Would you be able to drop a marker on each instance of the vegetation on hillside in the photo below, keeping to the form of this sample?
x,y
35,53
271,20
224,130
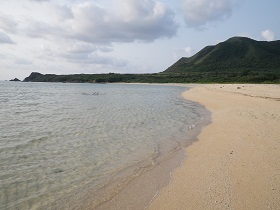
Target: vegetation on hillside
x,y
194,77
237,60
237,54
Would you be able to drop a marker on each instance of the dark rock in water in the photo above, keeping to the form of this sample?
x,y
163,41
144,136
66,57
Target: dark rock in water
x,y
58,170
15,80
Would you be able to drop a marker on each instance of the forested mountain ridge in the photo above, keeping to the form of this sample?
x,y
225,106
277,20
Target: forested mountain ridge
x,y
238,54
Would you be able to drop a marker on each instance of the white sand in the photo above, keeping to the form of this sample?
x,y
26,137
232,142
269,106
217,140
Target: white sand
x,y
235,164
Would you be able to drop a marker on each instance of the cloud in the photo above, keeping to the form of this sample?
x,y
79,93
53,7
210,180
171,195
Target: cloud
x,y
125,21
22,61
60,12
95,59
184,52
82,53
8,23
135,21
197,13
268,35
188,51
5,39
40,29
78,34
81,48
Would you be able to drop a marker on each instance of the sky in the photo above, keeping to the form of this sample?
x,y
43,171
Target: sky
x,y
122,36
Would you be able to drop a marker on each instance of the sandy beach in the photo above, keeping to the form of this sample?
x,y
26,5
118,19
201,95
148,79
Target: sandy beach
x,y
235,164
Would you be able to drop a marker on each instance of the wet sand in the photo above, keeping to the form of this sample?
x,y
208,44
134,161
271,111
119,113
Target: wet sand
x,y
235,164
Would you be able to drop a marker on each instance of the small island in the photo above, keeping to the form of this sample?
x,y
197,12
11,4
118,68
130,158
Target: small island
x,y
15,80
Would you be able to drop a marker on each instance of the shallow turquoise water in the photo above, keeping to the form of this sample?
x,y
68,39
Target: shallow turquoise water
x,y
61,140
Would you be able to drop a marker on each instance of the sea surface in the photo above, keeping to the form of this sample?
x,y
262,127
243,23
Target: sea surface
x,y
81,146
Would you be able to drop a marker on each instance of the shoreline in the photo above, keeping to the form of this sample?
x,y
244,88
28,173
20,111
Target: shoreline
x,y
235,164
131,186
150,183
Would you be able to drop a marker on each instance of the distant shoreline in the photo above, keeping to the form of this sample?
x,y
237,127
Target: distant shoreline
x,y
199,77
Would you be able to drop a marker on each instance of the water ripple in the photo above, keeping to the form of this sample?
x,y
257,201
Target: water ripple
x,y
60,141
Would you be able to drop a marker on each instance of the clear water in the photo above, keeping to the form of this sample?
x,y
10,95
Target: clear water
x,y
61,145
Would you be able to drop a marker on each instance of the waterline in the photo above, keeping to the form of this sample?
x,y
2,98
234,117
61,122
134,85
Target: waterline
x,y
69,146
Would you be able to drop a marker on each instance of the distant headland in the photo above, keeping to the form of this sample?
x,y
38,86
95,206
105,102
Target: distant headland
x,y
236,60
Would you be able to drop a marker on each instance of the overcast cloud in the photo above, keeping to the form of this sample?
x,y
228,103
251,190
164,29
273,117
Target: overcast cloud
x,y
8,23
5,39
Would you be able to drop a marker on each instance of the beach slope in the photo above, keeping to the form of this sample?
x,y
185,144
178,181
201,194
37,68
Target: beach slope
x,y
235,164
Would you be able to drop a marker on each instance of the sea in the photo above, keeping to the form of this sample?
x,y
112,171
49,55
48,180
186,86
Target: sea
x,y
91,146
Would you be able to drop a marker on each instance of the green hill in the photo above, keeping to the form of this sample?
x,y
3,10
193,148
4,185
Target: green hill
x,y
237,60
237,54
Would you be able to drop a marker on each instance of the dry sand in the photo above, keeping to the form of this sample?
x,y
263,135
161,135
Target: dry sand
x,y
235,164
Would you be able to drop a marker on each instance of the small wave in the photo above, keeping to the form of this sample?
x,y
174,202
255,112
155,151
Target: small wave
x,y
93,94
24,145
